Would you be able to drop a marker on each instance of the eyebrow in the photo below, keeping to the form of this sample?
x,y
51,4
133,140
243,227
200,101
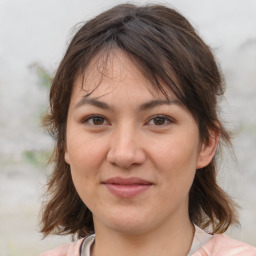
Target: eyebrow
x,y
155,103
93,102
143,107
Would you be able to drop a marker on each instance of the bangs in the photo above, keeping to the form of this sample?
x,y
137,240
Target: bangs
x,y
161,80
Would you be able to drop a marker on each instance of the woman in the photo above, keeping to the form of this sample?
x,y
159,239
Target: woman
x,y
134,115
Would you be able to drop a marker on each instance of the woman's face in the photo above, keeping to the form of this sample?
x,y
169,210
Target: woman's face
x,y
133,154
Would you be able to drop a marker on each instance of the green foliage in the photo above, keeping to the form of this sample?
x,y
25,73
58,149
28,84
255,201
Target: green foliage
x,y
37,158
45,77
40,158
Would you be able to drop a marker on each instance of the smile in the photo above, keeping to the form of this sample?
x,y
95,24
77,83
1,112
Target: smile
x,y
127,187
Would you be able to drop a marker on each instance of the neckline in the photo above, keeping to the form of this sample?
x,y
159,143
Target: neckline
x,y
199,239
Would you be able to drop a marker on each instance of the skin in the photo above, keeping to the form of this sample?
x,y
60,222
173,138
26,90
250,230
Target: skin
x,y
128,136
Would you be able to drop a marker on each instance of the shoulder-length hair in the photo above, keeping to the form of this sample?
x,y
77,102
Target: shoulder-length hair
x,y
164,45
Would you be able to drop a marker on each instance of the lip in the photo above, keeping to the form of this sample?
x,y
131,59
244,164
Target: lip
x,y
127,187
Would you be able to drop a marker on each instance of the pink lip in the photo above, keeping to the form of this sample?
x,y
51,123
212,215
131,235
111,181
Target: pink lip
x,y
127,187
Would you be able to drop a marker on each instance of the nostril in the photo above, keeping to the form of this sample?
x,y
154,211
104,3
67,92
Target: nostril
x,y
125,152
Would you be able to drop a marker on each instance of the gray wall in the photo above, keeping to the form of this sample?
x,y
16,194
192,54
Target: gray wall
x,y
33,31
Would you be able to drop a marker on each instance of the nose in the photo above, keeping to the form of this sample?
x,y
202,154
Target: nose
x,y
126,148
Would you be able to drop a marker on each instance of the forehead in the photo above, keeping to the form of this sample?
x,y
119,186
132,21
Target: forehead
x,y
107,71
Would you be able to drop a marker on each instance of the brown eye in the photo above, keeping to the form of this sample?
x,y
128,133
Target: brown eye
x,y
98,120
95,120
159,120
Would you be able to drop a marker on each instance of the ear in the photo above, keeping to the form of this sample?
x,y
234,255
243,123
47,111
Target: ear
x,y
66,156
208,149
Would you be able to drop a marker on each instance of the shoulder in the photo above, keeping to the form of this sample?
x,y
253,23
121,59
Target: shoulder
x,y
223,245
65,250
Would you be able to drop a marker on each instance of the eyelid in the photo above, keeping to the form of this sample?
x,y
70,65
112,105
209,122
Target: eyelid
x,y
86,119
167,118
90,117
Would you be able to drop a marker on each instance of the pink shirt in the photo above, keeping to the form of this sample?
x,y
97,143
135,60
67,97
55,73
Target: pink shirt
x,y
218,245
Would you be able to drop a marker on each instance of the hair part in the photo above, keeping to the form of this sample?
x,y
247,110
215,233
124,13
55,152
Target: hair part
x,y
163,45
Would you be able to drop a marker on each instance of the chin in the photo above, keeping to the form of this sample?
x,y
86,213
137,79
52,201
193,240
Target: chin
x,y
130,224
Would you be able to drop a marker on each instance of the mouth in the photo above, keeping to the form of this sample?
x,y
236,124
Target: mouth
x,y
127,187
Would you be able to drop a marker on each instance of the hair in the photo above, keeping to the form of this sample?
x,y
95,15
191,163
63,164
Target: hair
x,y
164,45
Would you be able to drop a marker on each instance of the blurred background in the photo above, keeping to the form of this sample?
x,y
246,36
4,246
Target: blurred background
x,y
33,37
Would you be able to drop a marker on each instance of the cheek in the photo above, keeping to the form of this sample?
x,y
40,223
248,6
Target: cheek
x,y
84,153
84,167
177,153
176,160
86,156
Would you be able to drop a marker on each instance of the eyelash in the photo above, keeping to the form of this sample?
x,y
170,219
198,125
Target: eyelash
x,y
163,117
166,119
92,117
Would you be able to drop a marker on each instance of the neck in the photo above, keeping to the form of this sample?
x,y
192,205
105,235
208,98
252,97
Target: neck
x,y
171,239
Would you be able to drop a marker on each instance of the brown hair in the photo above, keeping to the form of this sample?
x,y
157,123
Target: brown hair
x,y
163,43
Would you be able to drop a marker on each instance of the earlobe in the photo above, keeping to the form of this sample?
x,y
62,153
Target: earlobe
x,y
208,149
66,157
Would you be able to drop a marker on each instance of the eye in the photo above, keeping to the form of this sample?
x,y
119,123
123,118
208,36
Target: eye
x,y
160,120
96,120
